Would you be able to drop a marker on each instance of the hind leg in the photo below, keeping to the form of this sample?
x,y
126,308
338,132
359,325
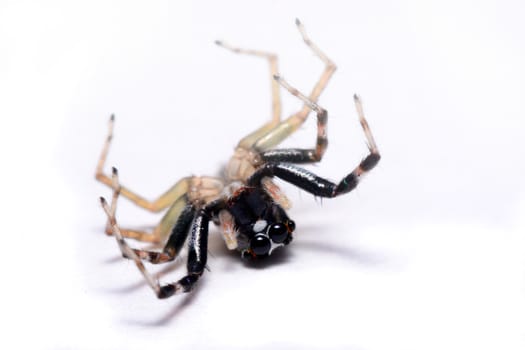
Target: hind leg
x,y
160,232
301,155
192,221
292,123
249,139
201,190
162,202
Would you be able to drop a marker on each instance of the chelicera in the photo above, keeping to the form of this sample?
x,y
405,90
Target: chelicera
x,y
245,202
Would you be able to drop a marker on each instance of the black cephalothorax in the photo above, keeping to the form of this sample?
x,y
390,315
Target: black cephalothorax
x,y
262,224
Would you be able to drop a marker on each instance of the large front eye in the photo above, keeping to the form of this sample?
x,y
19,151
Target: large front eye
x,y
260,245
278,233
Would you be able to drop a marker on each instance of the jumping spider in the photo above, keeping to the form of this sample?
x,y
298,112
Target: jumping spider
x,y
245,201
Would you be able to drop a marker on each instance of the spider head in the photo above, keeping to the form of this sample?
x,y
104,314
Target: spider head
x,y
261,223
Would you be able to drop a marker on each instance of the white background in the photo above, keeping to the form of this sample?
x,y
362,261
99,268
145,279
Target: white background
x,y
426,254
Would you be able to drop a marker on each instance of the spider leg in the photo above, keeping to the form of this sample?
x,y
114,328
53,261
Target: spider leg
x,y
314,184
197,257
299,155
160,232
292,123
197,251
249,139
175,198
176,221
176,240
125,249
197,254
162,202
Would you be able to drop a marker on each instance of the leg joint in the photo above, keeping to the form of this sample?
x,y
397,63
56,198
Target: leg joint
x,y
370,162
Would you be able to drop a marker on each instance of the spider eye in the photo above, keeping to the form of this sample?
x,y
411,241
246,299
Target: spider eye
x,y
278,233
260,245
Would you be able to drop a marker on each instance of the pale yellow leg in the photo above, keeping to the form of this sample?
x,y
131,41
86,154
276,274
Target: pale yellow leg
x,y
292,123
160,232
249,139
125,249
162,202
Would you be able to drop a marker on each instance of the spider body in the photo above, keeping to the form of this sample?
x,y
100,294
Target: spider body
x,y
245,202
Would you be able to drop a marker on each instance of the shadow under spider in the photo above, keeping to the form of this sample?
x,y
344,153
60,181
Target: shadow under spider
x,y
183,301
217,249
345,252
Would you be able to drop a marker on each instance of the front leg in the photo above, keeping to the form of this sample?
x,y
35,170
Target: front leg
x,y
310,182
198,244
169,197
301,155
314,184
197,257
197,251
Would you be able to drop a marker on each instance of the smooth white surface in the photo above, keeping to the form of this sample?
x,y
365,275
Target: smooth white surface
x,y
426,254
